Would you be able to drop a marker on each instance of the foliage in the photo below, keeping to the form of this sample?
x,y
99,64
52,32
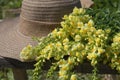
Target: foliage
x,y
8,4
6,74
107,4
79,40
106,19
106,14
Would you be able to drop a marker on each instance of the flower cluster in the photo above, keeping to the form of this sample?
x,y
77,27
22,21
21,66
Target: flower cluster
x,y
115,52
26,53
79,40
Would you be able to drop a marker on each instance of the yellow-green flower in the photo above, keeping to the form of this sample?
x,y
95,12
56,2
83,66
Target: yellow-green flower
x,y
54,33
77,38
58,44
66,47
100,50
92,56
82,11
62,73
61,63
99,31
117,38
71,60
65,41
80,24
76,10
90,23
65,67
26,54
78,54
73,77
98,40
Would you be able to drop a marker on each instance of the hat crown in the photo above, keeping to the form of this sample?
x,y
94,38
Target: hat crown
x,y
40,17
47,10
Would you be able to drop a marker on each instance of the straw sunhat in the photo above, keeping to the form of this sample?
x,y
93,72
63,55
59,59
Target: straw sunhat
x,y
37,18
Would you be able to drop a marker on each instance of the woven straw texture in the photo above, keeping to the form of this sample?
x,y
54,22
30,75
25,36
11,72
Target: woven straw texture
x,y
47,10
38,18
11,40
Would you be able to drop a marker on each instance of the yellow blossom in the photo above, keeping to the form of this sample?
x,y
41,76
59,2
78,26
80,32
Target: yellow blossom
x,y
48,47
91,56
65,41
62,62
59,34
77,38
100,50
78,54
90,41
81,11
76,10
74,47
26,54
99,31
66,47
97,40
65,17
90,23
116,39
80,24
83,53
58,44
65,67
92,29
62,73
70,17
83,31
73,77
72,23
93,62
49,55
70,60
108,30
54,32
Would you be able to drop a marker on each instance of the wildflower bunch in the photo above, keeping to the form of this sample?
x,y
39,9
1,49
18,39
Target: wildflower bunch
x,y
79,40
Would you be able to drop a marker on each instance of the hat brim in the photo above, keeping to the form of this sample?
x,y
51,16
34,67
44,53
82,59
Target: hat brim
x,y
11,40
86,3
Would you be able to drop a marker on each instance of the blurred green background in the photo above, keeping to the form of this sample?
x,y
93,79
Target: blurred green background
x,y
9,7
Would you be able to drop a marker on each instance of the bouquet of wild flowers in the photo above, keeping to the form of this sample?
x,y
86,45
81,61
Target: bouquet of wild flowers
x,y
80,40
